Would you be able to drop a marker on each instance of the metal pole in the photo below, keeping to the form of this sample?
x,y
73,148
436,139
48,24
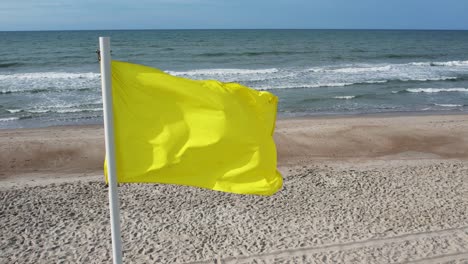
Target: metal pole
x,y
106,82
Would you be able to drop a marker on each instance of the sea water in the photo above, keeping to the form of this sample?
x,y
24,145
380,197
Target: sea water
x,y
52,77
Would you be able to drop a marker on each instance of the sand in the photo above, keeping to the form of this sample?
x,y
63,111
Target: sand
x,y
375,189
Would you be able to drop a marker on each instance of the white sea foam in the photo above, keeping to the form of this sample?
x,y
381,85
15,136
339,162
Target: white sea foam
x,y
449,105
326,76
50,75
10,91
436,90
7,119
47,82
222,72
298,86
419,63
318,85
380,73
443,78
428,79
38,111
60,107
269,77
362,69
74,110
345,97
443,63
382,81
12,111
335,84
351,69
451,63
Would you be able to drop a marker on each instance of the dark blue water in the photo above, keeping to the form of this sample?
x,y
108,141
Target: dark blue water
x,y
52,78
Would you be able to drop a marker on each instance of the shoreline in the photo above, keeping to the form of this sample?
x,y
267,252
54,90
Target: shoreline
x,y
374,114
80,148
284,117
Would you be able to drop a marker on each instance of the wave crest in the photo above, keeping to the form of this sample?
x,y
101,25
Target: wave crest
x,y
221,72
457,63
436,90
449,105
50,75
345,97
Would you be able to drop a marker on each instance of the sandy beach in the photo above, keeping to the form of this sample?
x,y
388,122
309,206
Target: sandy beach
x,y
361,189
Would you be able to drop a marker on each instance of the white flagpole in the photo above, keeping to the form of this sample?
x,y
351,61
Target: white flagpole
x,y
106,82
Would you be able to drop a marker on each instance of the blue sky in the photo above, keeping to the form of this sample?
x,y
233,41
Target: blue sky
x,y
188,14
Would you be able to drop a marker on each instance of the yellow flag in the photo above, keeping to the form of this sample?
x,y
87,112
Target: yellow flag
x,y
199,133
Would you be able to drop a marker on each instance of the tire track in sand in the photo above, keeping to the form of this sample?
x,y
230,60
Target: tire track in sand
x,y
441,258
297,252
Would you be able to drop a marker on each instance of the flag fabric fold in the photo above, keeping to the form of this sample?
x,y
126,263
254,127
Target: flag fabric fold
x,y
206,134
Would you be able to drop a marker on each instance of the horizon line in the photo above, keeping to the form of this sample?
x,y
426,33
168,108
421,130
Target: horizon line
x,y
167,29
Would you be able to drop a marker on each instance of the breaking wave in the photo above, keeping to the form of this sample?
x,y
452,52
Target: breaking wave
x,y
8,119
50,75
345,97
446,63
449,105
12,111
436,90
223,72
38,82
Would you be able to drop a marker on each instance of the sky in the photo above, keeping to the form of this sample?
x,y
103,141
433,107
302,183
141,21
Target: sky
x,y
235,14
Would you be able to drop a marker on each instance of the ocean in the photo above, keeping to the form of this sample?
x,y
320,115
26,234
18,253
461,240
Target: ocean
x,y
52,77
